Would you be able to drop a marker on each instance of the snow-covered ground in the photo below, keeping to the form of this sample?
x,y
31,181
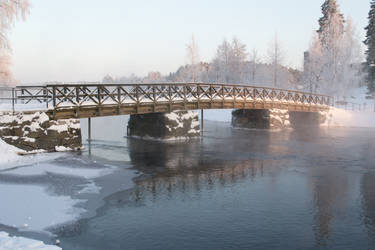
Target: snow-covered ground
x,y
20,243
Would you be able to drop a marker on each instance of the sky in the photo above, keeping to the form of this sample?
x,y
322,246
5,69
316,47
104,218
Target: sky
x,y
83,40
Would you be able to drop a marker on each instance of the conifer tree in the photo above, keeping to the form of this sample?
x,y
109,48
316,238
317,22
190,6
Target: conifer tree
x,y
370,52
331,24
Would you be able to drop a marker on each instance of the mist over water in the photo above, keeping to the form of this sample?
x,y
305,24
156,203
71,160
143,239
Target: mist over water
x,y
233,189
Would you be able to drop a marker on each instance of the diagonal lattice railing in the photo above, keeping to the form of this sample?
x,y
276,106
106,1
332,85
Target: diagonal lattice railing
x,y
87,95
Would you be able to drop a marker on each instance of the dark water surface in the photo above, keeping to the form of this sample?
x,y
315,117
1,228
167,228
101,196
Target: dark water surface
x,y
235,189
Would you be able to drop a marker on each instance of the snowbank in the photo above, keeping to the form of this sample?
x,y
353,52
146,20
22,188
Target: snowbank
x,y
9,153
20,243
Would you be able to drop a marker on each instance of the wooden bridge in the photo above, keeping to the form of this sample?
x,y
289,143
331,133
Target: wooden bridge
x,y
93,100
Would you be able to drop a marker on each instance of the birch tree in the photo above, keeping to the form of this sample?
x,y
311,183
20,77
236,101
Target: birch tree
x,y
194,59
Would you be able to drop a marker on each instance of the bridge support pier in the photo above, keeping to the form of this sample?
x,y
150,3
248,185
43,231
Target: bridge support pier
x,y
275,119
306,119
251,118
177,125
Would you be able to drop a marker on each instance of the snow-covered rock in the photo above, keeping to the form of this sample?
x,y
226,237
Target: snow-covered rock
x,y
35,131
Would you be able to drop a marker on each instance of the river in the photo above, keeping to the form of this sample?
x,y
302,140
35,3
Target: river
x,y
231,189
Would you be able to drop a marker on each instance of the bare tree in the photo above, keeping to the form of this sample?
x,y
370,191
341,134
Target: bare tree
x,y
193,58
254,60
276,58
222,62
238,60
10,11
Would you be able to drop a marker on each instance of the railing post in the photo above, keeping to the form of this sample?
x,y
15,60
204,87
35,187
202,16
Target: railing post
x,y
137,98
119,95
54,96
198,94
99,95
185,98
77,95
13,100
47,97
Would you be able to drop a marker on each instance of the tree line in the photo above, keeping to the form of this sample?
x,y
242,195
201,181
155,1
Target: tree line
x,y
333,63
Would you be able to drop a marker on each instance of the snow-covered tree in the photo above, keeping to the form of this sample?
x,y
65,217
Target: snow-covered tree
x,y
313,69
10,11
370,52
194,59
334,59
331,24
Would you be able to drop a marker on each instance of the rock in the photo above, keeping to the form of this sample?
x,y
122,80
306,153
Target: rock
x,y
36,132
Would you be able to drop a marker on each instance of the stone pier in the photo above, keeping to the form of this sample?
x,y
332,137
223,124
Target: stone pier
x,y
306,119
36,132
275,119
177,125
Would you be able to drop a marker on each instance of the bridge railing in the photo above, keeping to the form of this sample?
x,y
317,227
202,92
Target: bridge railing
x,y
77,95
128,94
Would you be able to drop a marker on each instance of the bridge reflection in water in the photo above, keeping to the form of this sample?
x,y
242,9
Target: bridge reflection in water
x,y
283,173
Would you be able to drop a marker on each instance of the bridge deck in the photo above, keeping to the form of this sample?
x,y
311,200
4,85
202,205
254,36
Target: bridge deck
x,y
93,100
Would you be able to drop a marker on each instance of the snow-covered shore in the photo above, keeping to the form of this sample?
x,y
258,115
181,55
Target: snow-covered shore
x,y
20,243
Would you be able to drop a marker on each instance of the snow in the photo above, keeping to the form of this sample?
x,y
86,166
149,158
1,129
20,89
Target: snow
x,y
179,119
41,209
20,243
20,118
26,212
62,149
59,128
9,153
45,168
